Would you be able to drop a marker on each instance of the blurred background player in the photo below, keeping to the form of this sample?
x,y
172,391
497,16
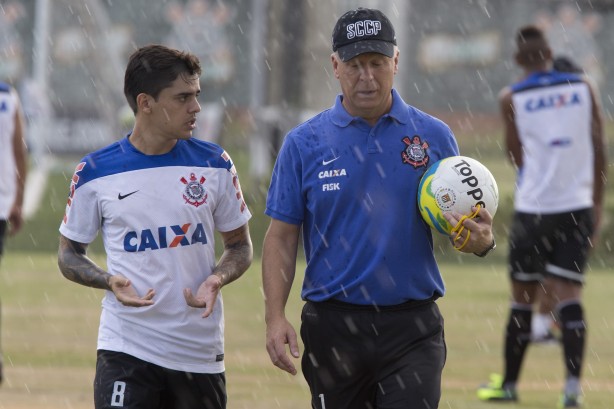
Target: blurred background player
x,y
13,166
161,340
544,328
554,136
348,177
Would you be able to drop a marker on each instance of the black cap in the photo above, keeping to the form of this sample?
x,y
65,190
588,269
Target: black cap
x,y
363,31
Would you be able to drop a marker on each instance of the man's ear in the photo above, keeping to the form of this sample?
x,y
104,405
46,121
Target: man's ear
x,y
144,102
335,62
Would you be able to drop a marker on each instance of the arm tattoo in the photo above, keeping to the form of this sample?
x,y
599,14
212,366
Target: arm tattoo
x,y
77,267
237,256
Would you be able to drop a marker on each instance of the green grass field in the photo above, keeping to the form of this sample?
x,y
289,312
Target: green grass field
x,y
50,325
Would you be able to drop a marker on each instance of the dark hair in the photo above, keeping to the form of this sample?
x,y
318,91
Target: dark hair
x,y
153,68
563,63
532,46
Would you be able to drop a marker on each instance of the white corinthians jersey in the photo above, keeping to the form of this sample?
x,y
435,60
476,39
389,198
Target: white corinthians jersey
x,y
553,119
8,175
157,215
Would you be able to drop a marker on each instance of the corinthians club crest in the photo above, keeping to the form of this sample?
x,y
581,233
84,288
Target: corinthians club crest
x,y
194,193
415,152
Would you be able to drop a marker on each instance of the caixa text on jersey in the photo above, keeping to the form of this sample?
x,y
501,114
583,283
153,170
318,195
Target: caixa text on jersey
x,y
165,237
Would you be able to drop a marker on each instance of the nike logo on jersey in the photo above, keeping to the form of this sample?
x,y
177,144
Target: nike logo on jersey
x,y
122,197
326,162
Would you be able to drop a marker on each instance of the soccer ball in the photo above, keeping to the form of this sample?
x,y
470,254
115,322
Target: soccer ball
x,y
455,184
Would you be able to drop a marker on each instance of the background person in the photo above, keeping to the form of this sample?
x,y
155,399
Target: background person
x,y
13,167
544,328
372,332
554,136
158,196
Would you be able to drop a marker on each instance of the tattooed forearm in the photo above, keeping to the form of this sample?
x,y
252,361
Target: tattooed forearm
x,y
237,257
77,267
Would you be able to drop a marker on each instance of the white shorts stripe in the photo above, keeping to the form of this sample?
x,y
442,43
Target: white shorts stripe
x,y
564,273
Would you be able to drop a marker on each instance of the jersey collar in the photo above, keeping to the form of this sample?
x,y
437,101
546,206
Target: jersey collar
x,y
398,111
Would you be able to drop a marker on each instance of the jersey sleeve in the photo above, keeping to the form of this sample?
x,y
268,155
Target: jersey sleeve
x,y
82,218
231,212
449,146
285,197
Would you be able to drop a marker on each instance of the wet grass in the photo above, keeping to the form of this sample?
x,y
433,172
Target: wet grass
x,y
50,326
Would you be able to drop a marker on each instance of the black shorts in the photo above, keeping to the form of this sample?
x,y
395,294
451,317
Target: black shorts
x,y
3,225
123,381
358,357
553,244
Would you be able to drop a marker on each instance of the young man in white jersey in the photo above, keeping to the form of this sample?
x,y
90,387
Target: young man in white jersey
x,y
157,197
554,137
13,166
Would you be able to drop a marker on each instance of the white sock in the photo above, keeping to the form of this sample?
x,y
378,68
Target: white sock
x,y
540,325
572,386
